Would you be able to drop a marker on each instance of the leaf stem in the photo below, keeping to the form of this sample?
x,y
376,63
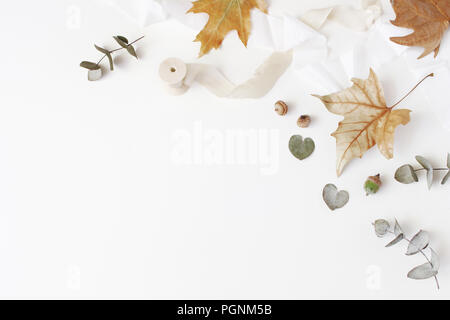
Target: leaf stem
x,y
118,49
437,169
411,91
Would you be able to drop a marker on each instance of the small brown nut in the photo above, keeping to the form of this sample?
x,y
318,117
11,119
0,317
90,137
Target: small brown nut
x,y
304,121
281,108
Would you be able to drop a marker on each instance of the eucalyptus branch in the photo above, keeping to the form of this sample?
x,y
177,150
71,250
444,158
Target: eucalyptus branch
x,y
406,174
95,71
417,244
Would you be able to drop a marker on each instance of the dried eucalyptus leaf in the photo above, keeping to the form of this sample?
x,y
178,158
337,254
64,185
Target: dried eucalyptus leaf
x,y
89,65
399,238
435,260
131,51
333,198
381,227
422,272
122,41
94,75
108,55
447,176
397,229
419,242
406,174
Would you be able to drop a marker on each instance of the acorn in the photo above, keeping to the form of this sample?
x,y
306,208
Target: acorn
x,y
372,184
281,108
304,121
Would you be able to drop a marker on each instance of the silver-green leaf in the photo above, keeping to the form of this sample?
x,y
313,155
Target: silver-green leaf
x,y
397,229
422,272
333,198
108,55
399,238
406,174
447,176
419,242
435,260
94,75
381,227
89,65
427,166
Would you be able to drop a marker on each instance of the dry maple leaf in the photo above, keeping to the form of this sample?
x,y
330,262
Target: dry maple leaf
x,y
225,16
429,19
367,119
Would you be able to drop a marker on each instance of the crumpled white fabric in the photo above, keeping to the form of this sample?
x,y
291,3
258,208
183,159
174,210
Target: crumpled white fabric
x,y
332,45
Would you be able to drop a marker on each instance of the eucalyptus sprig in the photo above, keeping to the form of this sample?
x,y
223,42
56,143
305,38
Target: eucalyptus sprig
x,y
417,244
95,71
406,174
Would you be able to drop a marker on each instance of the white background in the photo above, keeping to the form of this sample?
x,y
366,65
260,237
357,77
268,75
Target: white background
x,y
93,206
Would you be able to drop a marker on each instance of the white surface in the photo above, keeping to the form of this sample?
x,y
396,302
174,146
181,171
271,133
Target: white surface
x,y
94,202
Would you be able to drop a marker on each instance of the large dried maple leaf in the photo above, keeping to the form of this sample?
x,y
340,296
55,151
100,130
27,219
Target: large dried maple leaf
x,y
367,120
225,16
429,19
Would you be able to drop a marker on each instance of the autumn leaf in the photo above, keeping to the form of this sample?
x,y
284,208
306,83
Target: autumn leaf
x,y
367,120
428,18
225,16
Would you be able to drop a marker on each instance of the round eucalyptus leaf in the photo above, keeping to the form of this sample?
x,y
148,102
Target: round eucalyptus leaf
x,y
406,174
422,272
419,242
94,75
381,227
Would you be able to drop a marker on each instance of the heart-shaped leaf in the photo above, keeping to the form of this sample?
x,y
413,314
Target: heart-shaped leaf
x,y
301,149
422,272
381,227
108,55
419,242
427,166
333,198
406,174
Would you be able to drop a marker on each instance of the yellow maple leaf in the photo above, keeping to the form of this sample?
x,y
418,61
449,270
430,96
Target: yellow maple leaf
x,y
225,16
367,120
429,19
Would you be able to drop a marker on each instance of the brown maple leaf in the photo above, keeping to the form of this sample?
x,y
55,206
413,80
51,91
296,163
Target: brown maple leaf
x,y
225,16
429,19
367,120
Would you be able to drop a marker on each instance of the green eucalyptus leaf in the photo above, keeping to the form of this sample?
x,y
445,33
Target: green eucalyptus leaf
x,y
406,174
108,55
301,149
89,65
427,166
122,41
381,227
397,229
